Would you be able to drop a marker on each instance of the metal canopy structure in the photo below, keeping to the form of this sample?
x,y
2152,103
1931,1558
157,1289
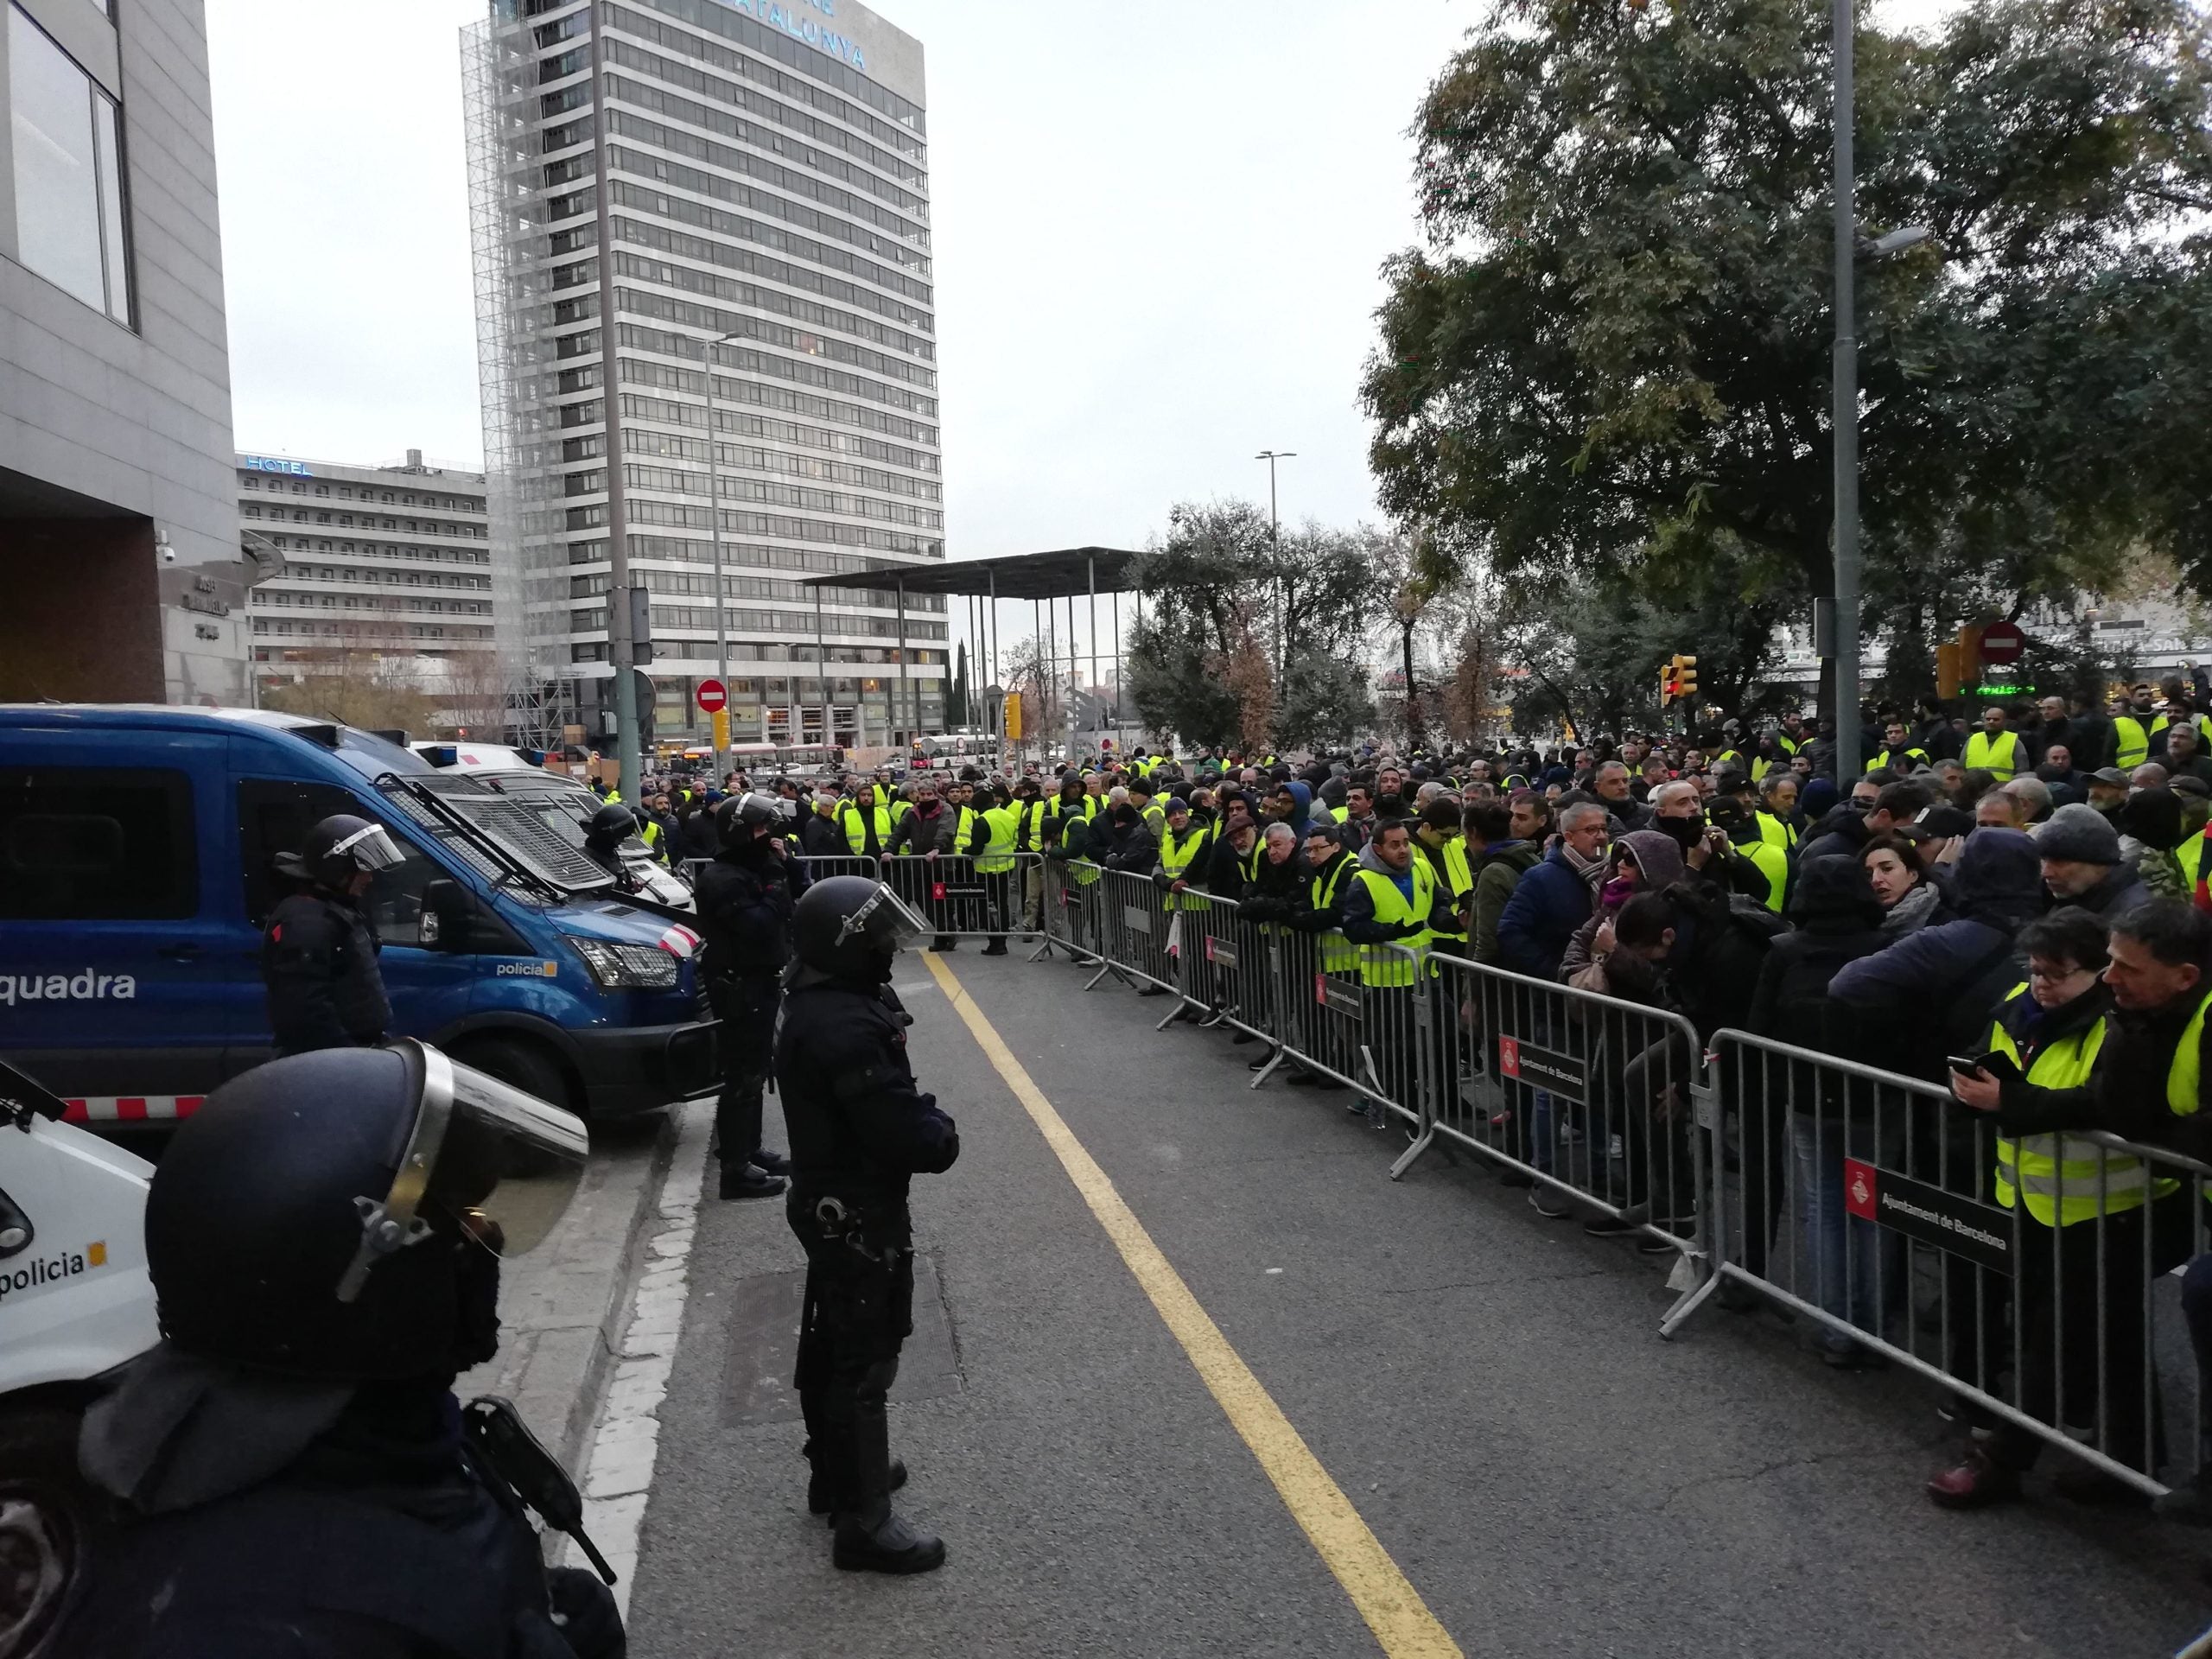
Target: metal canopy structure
x,y
1071,573
1043,579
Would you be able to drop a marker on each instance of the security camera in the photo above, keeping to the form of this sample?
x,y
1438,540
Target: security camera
x,y
168,553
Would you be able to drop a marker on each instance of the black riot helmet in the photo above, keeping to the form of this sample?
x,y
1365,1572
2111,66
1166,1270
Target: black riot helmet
x,y
610,826
738,818
339,849
850,927
340,1215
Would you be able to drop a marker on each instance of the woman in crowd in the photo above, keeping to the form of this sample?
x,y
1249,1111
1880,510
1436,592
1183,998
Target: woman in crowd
x,y
1907,894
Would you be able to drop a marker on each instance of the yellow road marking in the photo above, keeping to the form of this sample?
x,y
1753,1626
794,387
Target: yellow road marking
x,y
1389,1603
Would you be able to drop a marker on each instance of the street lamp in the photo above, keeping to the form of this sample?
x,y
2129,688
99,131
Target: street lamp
x,y
1275,545
715,516
1849,246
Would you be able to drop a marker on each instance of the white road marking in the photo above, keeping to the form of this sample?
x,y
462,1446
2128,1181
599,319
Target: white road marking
x,y
626,1442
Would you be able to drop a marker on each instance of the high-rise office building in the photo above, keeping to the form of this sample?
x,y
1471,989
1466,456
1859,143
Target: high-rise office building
x,y
704,285
376,570
118,540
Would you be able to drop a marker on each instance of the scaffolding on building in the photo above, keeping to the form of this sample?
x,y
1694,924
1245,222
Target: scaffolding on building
x,y
515,360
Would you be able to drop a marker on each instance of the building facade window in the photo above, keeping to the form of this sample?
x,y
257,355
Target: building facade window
x,y
68,172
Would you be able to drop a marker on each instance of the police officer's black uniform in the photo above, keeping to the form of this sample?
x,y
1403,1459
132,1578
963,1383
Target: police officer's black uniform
x,y
610,826
319,952
859,1130
292,1470
745,899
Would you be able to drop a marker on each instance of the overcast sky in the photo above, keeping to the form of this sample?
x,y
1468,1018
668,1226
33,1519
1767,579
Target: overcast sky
x,y
1158,230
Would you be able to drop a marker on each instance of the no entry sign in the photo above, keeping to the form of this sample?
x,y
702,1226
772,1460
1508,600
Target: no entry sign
x,y
714,697
2002,642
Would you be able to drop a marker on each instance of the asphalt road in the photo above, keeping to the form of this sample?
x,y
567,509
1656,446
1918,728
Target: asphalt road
x,y
1487,1387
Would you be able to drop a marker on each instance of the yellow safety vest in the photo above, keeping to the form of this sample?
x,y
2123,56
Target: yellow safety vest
x,y
1085,871
1177,855
1378,964
2182,1079
1338,954
1459,879
856,826
1776,833
1321,812
1903,759
2190,855
1982,751
1155,815
2131,743
1774,864
2065,1179
997,856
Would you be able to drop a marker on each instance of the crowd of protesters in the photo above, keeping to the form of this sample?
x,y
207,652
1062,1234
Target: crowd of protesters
x,y
2029,885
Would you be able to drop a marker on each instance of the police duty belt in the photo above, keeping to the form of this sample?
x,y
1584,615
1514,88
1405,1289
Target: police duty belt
x,y
844,1226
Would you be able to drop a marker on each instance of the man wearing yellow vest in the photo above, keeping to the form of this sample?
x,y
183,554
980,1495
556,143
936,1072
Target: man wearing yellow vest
x,y
868,822
2060,1062
1390,908
1995,750
1032,828
2131,735
1440,839
1069,845
994,864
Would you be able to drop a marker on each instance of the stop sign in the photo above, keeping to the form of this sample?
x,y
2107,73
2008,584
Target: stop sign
x,y
714,697
2002,642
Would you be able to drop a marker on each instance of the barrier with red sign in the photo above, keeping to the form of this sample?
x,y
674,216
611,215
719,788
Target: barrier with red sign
x,y
2051,1318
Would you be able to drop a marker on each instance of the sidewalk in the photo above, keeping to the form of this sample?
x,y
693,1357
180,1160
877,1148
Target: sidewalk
x,y
561,1307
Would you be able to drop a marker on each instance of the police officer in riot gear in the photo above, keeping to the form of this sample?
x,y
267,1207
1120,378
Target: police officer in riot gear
x,y
294,1474
859,1130
610,826
744,898
319,952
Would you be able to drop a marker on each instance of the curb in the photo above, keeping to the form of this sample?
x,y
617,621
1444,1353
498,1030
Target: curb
x,y
564,1308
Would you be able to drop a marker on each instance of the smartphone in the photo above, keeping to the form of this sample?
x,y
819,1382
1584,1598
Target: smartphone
x,y
1962,1065
1998,1066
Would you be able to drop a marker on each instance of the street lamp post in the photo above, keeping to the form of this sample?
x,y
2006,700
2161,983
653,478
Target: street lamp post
x,y
1844,416
1275,544
715,516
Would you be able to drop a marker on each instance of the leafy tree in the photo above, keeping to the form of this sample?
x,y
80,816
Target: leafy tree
x,y
1228,602
1326,701
1613,353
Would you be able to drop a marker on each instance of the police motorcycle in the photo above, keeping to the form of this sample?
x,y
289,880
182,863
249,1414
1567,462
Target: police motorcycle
x,y
90,1234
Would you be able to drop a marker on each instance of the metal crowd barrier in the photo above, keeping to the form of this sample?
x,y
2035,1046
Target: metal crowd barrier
x,y
1332,1012
1863,1200
1596,1099
1894,1242
959,897
1069,899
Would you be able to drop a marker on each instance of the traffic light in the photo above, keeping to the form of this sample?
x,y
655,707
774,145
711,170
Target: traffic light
x,y
1010,719
1678,680
1958,664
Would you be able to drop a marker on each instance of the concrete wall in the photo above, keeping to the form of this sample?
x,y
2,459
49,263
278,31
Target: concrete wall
x,y
102,425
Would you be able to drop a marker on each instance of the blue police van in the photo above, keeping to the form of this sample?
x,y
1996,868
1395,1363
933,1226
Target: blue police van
x,y
136,872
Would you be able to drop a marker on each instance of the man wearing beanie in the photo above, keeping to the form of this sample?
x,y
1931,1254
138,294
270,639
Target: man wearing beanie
x,y
2082,863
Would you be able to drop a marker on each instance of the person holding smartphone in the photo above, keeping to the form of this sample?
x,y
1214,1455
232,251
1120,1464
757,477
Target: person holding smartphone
x,y
2103,1027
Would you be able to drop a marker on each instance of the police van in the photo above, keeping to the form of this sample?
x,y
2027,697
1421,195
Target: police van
x,y
136,872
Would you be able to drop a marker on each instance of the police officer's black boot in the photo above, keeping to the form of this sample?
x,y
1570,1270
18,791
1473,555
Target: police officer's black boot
x,y
873,1537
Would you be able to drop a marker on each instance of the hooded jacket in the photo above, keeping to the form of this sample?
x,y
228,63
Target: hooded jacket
x,y
1933,993
1659,861
1358,904
1303,795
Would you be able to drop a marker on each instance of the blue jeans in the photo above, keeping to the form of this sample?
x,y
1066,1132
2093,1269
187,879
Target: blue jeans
x,y
1848,1262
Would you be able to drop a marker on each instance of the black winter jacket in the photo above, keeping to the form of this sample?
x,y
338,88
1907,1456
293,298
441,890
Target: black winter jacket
x,y
860,1128
319,963
745,899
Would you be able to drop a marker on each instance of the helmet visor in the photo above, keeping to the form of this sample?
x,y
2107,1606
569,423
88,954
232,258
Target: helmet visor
x,y
885,921
370,848
485,1161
